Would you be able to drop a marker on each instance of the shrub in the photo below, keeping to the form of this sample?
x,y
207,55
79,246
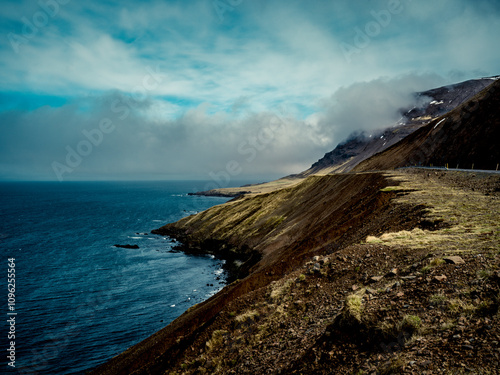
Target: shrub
x,y
425,269
354,305
216,340
436,262
411,324
437,299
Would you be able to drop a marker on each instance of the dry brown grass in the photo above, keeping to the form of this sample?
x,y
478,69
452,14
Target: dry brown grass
x,y
264,188
280,289
216,340
248,316
471,219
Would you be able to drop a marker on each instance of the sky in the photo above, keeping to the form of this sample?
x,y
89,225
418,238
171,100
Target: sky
x,y
219,89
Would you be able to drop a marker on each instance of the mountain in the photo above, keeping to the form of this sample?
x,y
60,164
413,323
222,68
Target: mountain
x,y
360,146
466,137
378,270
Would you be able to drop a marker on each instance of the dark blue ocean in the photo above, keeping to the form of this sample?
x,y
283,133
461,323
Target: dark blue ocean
x,y
79,300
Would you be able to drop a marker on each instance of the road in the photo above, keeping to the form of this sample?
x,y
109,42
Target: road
x,y
457,170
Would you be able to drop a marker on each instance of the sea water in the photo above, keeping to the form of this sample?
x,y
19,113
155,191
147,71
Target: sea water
x,y
79,300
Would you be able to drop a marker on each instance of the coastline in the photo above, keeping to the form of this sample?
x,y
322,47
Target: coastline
x,y
237,262
337,250
253,189
252,224
344,252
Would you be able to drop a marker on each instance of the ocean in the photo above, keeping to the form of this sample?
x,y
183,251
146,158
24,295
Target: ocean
x,y
79,300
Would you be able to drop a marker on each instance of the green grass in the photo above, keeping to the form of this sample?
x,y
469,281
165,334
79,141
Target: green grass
x,y
273,222
426,269
390,188
436,262
437,299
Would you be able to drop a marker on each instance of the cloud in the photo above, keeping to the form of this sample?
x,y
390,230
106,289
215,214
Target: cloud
x,y
220,80
284,52
200,143
372,105
197,144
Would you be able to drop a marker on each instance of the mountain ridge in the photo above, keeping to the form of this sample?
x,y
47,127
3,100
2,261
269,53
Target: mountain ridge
x,y
462,137
360,145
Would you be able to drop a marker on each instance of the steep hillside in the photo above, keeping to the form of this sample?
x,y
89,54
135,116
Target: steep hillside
x,y
466,137
394,273
359,272
286,228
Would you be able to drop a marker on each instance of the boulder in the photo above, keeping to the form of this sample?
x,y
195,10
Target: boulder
x,y
454,260
375,279
439,278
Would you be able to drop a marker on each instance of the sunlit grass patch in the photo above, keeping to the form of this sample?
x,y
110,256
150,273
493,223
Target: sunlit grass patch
x,y
216,340
280,289
436,262
459,306
470,219
247,316
354,306
390,188
411,324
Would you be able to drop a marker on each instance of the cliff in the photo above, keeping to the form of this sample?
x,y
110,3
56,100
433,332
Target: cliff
x,y
382,238
361,272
